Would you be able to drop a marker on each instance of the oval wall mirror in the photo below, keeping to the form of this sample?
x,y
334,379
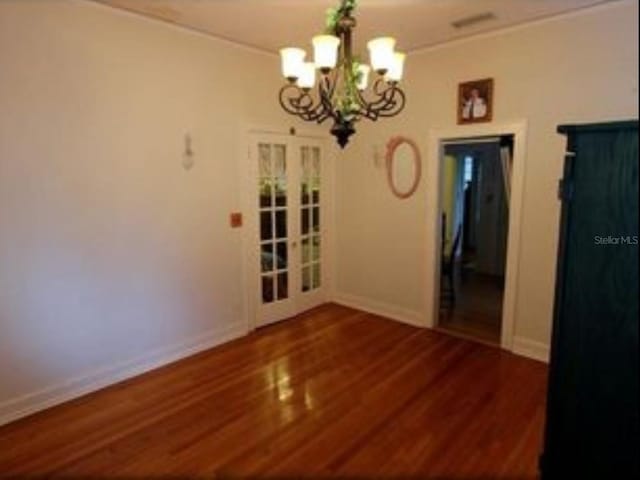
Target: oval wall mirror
x,y
404,166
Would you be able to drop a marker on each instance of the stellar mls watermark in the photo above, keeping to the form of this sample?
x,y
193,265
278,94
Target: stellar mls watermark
x,y
616,240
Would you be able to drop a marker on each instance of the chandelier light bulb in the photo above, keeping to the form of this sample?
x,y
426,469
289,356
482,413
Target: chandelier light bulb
x,y
292,62
381,52
325,48
397,67
307,78
363,80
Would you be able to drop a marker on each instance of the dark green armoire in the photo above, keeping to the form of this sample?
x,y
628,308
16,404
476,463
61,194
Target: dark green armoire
x,y
592,429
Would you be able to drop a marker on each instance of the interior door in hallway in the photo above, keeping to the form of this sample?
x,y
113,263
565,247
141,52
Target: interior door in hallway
x,y
288,232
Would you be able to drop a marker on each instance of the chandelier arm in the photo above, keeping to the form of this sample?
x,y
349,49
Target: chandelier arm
x,y
324,109
389,102
319,115
331,89
381,89
364,103
289,103
380,86
304,109
310,111
396,103
381,96
315,114
301,104
366,110
327,90
388,109
388,94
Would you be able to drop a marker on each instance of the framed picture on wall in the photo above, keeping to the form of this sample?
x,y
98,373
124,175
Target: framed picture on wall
x,y
475,101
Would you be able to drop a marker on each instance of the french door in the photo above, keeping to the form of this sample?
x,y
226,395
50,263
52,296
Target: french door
x,y
288,226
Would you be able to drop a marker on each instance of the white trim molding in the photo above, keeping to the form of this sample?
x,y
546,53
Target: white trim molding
x,y
437,140
48,397
392,312
531,349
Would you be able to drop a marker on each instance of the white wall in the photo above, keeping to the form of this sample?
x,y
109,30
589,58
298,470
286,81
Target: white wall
x,y
578,68
112,257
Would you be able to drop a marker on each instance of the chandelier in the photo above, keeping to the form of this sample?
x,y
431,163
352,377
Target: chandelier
x,y
343,93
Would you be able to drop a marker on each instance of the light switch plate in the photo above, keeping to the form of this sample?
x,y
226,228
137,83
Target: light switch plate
x,y
236,220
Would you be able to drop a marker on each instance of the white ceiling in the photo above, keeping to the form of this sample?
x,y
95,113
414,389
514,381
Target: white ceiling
x,y
272,24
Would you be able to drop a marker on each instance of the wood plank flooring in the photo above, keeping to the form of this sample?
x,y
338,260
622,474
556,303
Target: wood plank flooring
x,y
332,393
477,313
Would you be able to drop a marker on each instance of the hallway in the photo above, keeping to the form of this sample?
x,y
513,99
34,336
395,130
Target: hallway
x,y
477,312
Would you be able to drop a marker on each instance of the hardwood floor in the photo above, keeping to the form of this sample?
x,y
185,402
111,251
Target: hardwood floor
x,y
333,393
477,313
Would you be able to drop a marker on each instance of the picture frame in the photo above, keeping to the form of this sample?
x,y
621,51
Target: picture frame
x,y
475,101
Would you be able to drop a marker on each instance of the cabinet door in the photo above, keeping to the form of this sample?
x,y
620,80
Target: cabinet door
x,y
593,419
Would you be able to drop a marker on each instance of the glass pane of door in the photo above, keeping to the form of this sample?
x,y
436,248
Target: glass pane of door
x,y
273,205
310,219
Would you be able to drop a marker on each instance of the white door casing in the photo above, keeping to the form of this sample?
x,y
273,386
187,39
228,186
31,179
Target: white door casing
x,y
437,139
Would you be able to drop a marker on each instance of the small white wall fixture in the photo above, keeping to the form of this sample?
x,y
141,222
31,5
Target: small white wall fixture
x,y
437,140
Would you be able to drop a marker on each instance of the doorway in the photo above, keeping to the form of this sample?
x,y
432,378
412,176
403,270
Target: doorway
x,y
439,140
287,221
476,182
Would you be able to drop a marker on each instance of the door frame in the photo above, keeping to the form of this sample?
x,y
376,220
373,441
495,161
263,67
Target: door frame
x,y
436,140
246,179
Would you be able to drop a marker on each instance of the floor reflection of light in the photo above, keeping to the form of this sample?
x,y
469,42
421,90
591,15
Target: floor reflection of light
x,y
285,392
309,401
278,379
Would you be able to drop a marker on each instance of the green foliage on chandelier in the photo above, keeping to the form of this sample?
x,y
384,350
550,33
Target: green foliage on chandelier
x,y
335,14
348,104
